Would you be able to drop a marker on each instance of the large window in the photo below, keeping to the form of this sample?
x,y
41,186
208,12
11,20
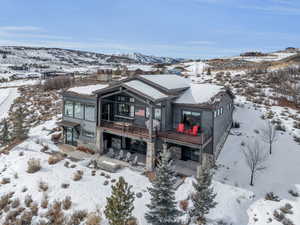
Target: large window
x,y
89,112
190,118
125,108
69,109
78,110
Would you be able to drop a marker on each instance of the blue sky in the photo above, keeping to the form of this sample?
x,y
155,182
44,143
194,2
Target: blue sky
x,y
176,28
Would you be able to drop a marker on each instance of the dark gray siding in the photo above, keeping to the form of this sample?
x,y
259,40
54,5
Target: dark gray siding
x,y
84,124
206,122
222,122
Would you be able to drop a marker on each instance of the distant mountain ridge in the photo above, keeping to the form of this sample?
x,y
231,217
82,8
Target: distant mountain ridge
x,y
149,59
44,55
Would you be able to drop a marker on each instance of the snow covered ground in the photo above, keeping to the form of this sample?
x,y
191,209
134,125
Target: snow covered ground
x,y
276,56
238,202
7,97
18,83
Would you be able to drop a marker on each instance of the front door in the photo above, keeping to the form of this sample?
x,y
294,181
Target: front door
x,y
71,136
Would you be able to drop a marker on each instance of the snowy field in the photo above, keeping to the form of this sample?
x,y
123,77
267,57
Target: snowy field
x,y
238,202
276,56
7,97
18,83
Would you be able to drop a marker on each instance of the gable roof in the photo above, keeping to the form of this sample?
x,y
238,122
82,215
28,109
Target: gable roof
x,y
166,81
146,89
199,94
87,90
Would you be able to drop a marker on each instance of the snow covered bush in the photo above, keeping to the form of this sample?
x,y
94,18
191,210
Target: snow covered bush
x,y
77,175
33,165
53,159
28,200
272,197
294,193
78,216
67,203
43,186
55,215
93,219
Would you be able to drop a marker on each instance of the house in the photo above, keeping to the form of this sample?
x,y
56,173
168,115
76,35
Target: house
x,y
148,113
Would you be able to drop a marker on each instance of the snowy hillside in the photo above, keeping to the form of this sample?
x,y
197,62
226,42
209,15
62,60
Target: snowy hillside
x,y
146,59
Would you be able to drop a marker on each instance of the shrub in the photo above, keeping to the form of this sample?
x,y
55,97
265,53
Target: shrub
x,y
43,186
67,203
5,180
44,201
34,208
294,193
28,200
4,201
54,159
26,218
33,165
78,216
287,209
85,149
77,175
287,221
15,203
93,219
132,221
55,215
65,185
272,197
184,204
278,216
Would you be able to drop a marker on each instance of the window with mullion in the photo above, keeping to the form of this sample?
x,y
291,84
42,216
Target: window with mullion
x,y
78,110
68,109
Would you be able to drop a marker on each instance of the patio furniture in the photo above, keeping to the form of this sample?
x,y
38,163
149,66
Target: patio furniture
x,y
194,130
111,153
135,161
180,128
121,155
128,157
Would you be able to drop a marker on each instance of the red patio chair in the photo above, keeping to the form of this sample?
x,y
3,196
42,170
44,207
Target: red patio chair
x,y
194,130
180,128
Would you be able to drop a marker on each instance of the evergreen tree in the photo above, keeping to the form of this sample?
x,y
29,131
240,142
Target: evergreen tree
x,y
20,131
119,207
203,197
4,133
162,208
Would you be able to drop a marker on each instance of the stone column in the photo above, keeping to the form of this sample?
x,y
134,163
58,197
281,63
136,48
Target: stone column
x,y
150,157
99,141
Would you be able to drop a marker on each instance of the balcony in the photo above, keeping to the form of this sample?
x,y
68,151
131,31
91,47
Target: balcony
x,y
185,139
125,129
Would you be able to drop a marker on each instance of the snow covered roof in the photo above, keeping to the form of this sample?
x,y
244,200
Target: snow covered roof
x,y
199,93
87,90
145,89
168,81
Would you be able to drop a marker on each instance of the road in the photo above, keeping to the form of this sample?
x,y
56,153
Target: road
x,y
7,97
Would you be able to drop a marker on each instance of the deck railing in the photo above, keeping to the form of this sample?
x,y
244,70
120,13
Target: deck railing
x,y
125,127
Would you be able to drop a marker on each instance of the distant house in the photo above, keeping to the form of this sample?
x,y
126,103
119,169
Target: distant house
x,y
148,113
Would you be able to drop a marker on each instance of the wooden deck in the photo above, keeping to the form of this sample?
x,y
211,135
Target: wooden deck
x,y
185,139
128,130
125,129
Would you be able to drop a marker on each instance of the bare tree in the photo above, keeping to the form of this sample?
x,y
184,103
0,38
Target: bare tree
x,y
269,134
255,158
